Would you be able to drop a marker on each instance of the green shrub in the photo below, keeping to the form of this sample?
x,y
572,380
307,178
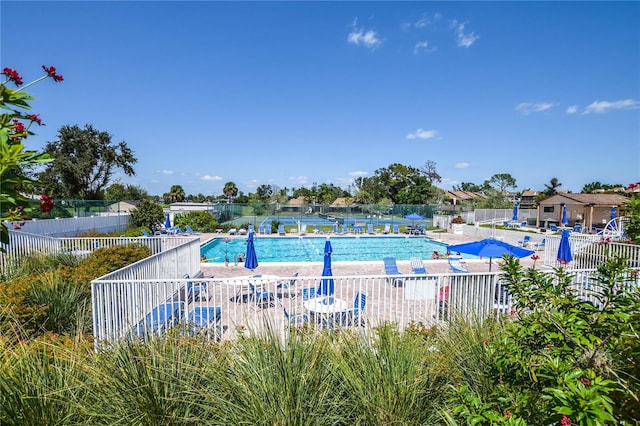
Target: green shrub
x,y
199,220
557,355
147,214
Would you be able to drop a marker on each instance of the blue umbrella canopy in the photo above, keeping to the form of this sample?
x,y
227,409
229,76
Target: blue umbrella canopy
x,y
490,247
564,249
414,216
251,260
565,220
515,212
327,286
167,221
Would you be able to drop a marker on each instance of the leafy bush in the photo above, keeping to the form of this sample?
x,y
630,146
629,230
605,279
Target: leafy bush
x,y
199,220
559,356
102,261
147,214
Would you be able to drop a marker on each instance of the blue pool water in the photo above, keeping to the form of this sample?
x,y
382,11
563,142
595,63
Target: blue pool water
x,y
311,249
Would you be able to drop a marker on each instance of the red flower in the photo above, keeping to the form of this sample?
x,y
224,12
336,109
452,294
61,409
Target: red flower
x,y
47,204
566,421
35,118
548,345
13,76
16,227
507,413
585,381
51,71
18,127
535,257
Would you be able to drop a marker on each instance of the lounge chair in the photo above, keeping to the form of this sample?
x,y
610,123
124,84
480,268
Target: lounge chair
x,y
303,229
233,231
317,230
162,316
267,229
335,229
294,319
391,268
387,228
308,293
525,241
281,230
261,229
455,263
202,319
396,229
553,228
418,266
540,245
146,234
191,231
259,296
353,317
345,229
287,285
370,229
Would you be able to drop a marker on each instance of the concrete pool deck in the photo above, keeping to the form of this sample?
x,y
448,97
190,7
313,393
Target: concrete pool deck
x,y
314,269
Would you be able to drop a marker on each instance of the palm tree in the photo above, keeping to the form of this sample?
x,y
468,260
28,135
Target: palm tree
x,y
230,190
552,187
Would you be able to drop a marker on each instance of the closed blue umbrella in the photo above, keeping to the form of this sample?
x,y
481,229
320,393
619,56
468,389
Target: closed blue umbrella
x,y
490,247
614,214
564,249
167,221
565,220
515,212
251,260
327,286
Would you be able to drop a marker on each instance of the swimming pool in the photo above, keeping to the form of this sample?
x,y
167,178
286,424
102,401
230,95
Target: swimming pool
x,y
311,249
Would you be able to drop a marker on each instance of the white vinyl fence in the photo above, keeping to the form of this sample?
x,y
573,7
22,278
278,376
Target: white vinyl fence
x,y
72,226
141,308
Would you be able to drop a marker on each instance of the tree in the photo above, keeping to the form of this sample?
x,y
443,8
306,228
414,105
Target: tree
x,y
85,160
600,187
468,187
147,214
632,211
230,190
118,191
175,195
429,170
502,181
552,187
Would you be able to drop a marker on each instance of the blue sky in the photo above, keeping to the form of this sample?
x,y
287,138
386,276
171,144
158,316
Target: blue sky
x,y
291,93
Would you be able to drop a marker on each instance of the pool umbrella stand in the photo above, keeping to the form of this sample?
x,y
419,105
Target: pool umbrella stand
x,y
564,249
251,260
413,217
565,220
490,248
167,222
327,286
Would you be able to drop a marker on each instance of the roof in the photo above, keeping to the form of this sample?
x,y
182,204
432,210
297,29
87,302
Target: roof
x,y
465,195
530,193
342,201
296,201
586,199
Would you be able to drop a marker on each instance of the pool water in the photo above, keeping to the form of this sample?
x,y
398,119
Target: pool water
x,y
311,249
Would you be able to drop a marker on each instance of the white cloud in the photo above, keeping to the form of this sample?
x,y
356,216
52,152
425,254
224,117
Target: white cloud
x,y
422,134
211,178
572,109
422,46
300,180
461,165
366,38
463,39
527,108
606,106
166,172
358,173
